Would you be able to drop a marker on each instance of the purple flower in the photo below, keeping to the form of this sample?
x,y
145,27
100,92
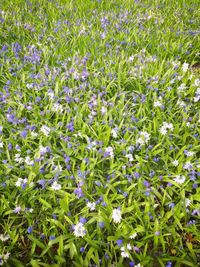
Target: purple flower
x,y
136,175
30,229
79,192
52,237
119,242
82,249
17,209
146,183
101,224
83,220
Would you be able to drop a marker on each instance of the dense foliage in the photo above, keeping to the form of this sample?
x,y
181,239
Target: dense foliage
x,y
99,133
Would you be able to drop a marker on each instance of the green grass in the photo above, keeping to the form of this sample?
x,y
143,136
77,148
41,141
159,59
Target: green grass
x,y
100,76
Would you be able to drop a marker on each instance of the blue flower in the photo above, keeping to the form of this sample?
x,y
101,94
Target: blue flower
x,y
119,242
30,229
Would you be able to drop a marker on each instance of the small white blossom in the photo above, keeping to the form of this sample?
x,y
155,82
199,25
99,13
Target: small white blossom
x,y
45,130
50,95
43,150
55,186
34,134
157,104
116,215
114,133
18,158
181,103
28,161
91,205
187,202
166,126
182,87
124,254
133,236
129,157
17,209
143,138
21,181
57,108
197,82
175,162
1,144
185,67
163,130
187,165
190,153
179,179
4,238
109,151
138,265
103,110
79,230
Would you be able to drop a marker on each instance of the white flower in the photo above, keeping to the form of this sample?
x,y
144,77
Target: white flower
x,y
197,82
18,158
187,165
196,98
57,108
179,179
133,236
50,95
55,186
124,254
21,181
91,205
181,103
109,151
182,87
131,58
28,161
4,237
17,209
1,144
185,67
114,133
116,215
129,157
34,134
43,150
187,202
144,137
79,230
138,265
129,246
45,130
57,168
163,130
166,126
103,110
175,162
157,104
198,91
190,153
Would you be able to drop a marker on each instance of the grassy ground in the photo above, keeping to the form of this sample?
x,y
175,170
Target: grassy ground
x,y
99,133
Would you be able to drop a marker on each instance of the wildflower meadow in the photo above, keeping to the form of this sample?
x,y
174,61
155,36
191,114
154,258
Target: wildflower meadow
x,y
99,133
